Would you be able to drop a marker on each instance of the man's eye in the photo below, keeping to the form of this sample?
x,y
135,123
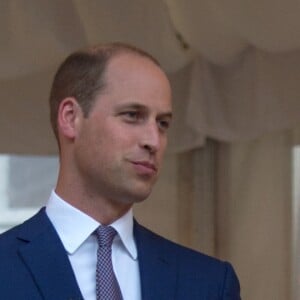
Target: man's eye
x,y
131,115
164,125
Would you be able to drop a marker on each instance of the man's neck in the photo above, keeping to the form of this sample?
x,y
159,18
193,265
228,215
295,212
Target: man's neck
x,y
102,210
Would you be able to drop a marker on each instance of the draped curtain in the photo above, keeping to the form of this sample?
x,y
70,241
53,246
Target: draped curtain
x,y
233,201
233,65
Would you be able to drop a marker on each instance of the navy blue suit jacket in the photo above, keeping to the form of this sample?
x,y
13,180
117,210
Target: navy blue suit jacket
x,y
35,266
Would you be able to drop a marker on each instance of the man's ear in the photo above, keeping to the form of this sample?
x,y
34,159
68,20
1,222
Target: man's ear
x,y
68,118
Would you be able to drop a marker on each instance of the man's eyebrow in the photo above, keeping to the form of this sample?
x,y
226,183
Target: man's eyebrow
x,y
142,107
132,105
168,115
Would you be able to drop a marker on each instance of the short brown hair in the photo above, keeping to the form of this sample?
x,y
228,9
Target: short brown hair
x,y
81,75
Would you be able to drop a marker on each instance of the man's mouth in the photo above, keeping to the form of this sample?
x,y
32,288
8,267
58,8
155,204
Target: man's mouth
x,y
145,167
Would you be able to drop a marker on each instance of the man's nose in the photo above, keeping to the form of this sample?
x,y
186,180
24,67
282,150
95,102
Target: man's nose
x,y
151,138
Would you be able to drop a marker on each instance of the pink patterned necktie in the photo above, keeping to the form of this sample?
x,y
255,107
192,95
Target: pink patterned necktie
x,y
107,287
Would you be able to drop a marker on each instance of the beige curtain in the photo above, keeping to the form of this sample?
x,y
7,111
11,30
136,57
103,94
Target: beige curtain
x,y
227,85
232,201
254,214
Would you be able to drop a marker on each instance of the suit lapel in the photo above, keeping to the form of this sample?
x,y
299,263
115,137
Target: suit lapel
x,y
157,267
46,259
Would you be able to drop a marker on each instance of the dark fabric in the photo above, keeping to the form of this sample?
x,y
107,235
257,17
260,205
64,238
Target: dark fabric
x,y
170,271
35,266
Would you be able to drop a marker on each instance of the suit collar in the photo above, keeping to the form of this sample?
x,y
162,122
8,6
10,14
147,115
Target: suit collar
x,y
74,226
45,257
157,266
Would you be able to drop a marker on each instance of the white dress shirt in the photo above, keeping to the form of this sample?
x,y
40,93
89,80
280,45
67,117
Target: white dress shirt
x,y
75,230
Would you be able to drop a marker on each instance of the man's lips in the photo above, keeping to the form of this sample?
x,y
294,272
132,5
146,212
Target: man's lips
x,y
145,165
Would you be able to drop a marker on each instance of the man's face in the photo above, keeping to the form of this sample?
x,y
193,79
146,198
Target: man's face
x,y
120,145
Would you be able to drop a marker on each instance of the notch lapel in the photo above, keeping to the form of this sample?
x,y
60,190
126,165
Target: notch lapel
x,y
46,259
157,267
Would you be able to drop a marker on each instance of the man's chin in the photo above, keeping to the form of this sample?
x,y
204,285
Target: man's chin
x,y
137,196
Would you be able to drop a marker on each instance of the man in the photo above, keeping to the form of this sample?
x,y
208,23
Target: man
x,y
110,111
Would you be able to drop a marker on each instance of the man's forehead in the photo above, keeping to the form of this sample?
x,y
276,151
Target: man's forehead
x,y
134,80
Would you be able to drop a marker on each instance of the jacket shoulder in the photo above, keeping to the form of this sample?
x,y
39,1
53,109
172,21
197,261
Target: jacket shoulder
x,y
196,271
24,232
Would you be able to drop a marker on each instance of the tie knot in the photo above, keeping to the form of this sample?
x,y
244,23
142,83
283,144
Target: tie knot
x,y
105,235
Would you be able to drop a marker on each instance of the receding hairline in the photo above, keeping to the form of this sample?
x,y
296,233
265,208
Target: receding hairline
x,y
116,48
115,51
118,56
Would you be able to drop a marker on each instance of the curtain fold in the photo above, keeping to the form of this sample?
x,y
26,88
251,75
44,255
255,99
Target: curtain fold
x,y
254,205
233,201
250,92
256,95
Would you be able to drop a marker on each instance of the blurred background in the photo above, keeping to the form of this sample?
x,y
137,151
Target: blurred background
x,y
230,186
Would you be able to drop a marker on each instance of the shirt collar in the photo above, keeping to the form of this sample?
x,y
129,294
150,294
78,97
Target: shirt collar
x,y
74,227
